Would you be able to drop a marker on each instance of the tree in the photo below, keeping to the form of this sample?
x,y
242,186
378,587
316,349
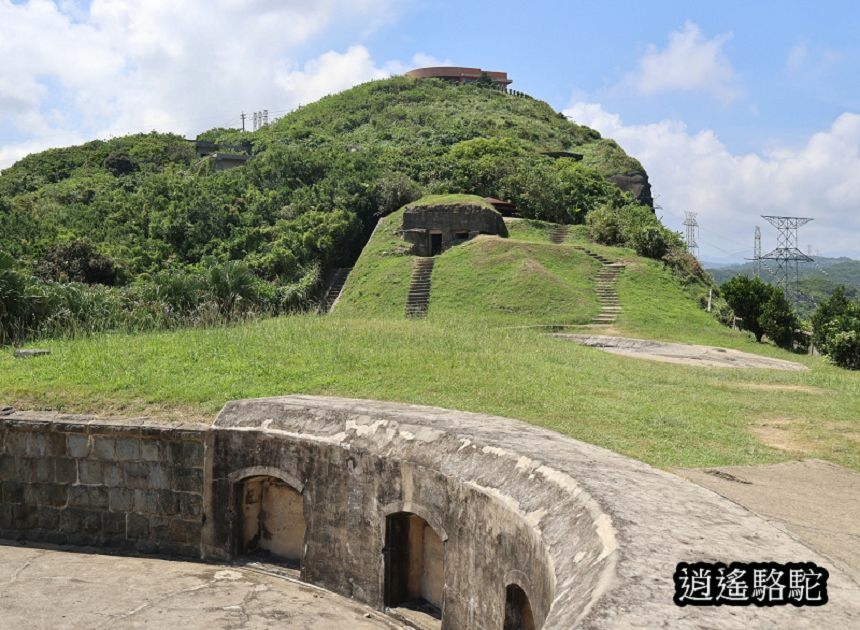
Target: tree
x,y
837,305
747,297
836,330
778,320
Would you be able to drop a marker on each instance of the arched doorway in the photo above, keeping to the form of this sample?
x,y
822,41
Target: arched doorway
x,y
518,610
272,521
414,564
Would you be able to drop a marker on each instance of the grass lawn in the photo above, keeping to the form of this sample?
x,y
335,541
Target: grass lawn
x,y
466,355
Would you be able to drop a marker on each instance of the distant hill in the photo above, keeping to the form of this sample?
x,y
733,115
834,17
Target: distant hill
x,y
816,282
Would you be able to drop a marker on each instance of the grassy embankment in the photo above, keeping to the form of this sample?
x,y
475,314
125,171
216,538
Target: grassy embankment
x,y
468,354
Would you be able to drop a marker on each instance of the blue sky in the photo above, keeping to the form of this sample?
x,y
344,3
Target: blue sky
x,y
736,109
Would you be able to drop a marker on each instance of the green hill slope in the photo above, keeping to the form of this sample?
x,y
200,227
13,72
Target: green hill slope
x,y
147,214
527,280
523,279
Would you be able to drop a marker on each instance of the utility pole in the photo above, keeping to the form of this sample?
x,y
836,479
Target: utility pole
x,y
242,116
690,236
787,255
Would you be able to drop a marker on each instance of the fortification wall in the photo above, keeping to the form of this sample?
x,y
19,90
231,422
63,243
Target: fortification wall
x,y
77,480
497,512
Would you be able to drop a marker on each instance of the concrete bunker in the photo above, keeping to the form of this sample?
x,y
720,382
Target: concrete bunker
x,y
414,564
518,609
271,519
435,223
523,513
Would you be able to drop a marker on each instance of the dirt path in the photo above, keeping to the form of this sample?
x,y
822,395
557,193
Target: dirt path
x,y
817,502
683,353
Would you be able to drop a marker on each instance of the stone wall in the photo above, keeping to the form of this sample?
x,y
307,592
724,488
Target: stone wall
x,y
352,480
77,480
582,537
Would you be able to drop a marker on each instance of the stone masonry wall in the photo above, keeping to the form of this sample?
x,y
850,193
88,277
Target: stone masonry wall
x,y
77,480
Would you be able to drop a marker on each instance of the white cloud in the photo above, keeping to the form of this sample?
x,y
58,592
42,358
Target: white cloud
x,y
690,62
424,60
117,67
696,171
330,73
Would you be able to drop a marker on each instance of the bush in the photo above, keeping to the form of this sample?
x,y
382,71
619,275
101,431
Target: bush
x,y
394,191
843,345
838,304
77,260
836,330
778,320
650,241
119,163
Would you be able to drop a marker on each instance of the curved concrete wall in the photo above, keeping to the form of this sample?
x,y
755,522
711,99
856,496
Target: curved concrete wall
x,y
592,537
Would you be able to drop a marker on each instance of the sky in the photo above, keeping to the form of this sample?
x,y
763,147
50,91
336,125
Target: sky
x,y
735,109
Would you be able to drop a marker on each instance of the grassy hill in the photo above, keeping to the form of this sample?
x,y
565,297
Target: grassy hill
x,y
523,279
169,233
184,235
469,354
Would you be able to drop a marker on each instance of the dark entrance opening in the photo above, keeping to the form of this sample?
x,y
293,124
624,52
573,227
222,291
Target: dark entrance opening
x,y
518,610
414,565
272,524
435,244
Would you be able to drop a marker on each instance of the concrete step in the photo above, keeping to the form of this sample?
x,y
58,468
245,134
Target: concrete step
x,y
418,298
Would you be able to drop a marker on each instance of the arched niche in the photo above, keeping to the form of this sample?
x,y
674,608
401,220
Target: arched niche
x,y
414,564
518,609
270,516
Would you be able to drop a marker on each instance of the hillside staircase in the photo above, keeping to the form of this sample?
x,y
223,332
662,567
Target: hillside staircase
x,y
558,234
607,296
418,299
335,286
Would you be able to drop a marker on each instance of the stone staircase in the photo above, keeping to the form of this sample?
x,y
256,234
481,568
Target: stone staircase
x,y
335,286
419,288
606,294
558,234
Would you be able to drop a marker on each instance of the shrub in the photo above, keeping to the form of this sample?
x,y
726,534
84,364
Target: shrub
x,y
838,304
843,344
650,241
777,319
836,330
395,190
119,163
77,260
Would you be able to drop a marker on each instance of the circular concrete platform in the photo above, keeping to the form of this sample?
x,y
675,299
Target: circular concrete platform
x,y
43,587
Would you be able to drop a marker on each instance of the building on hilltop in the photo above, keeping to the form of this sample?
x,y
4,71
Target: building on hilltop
x,y
456,74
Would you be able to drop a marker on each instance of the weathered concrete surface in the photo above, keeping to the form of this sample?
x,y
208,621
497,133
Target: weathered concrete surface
x,y
448,220
816,501
612,529
70,479
683,353
56,588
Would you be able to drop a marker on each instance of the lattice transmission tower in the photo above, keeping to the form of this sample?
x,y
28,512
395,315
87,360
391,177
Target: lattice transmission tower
x,y
757,253
691,225
787,255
